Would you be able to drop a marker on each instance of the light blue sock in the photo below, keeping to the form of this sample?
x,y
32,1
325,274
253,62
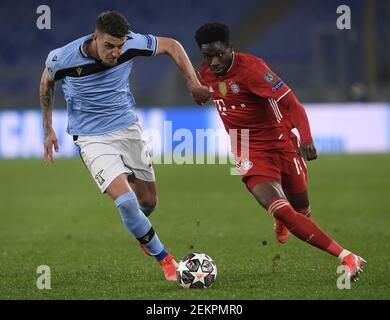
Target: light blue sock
x,y
138,224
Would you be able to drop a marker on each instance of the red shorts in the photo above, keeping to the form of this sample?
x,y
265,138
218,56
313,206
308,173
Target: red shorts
x,y
288,168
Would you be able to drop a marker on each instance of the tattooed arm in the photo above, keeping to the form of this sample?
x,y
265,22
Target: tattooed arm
x,y
46,94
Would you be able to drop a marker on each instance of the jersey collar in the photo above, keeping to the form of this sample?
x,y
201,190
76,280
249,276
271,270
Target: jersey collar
x,y
231,66
81,49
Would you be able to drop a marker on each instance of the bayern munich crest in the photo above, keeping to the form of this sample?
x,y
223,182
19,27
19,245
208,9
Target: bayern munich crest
x,y
235,88
244,165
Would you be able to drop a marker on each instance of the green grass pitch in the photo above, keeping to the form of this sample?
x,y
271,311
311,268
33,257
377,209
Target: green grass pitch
x,y
56,216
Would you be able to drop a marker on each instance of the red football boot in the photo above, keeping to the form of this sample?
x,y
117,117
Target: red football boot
x,y
169,265
354,265
281,231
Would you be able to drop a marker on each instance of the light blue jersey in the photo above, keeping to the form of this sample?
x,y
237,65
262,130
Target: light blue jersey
x,y
98,97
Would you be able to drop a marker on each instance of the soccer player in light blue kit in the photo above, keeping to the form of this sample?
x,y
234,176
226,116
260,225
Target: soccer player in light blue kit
x,y
101,118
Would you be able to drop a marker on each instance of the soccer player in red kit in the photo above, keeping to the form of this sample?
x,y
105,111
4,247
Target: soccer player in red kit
x,y
296,118
261,109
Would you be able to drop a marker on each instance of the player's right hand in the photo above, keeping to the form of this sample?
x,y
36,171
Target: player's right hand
x,y
307,151
50,141
200,94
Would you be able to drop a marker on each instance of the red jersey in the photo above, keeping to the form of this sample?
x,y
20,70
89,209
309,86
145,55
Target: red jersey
x,y
287,121
247,97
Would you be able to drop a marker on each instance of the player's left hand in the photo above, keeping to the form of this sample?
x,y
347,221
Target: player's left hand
x,y
307,151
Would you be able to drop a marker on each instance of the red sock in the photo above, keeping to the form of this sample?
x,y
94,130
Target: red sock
x,y
303,227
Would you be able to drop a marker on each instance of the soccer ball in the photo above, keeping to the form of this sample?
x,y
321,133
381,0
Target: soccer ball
x,y
196,270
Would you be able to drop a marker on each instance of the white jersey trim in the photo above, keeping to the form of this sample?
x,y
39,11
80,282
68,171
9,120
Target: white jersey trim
x,y
156,48
283,95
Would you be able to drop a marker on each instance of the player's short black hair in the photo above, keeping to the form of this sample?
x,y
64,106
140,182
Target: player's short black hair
x,y
113,23
212,32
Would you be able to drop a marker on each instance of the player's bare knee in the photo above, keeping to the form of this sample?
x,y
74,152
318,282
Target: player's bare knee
x,y
148,204
299,201
149,201
267,192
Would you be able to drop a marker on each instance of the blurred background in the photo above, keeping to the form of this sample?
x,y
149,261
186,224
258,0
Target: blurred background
x,y
297,38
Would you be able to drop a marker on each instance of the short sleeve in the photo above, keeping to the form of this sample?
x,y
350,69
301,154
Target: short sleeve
x,y
145,43
53,63
263,82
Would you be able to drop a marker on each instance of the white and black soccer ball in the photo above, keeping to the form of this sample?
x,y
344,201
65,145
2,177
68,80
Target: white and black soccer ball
x,y
196,270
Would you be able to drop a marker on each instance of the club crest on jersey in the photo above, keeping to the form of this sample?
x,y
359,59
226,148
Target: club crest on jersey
x,y
222,88
244,165
269,77
235,88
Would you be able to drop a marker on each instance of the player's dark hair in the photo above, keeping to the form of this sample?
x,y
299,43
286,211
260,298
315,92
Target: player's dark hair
x,y
212,32
113,23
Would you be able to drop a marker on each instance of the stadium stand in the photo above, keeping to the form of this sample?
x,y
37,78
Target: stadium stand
x,y
299,40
